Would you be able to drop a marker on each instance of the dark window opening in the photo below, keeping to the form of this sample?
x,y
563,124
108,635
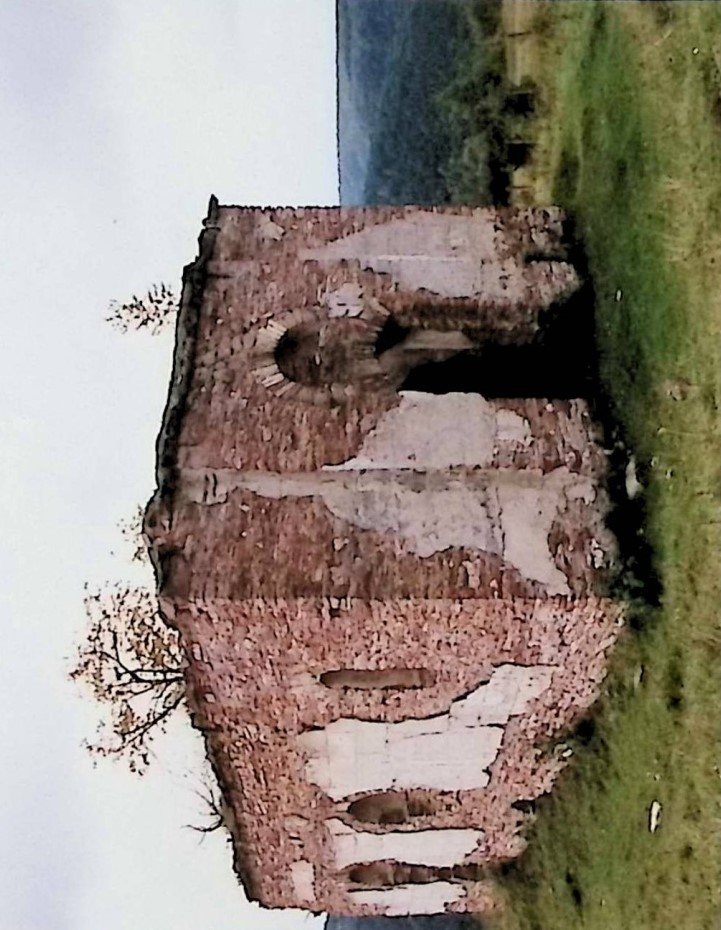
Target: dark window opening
x,y
520,103
373,679
387,874
319,355
519,154
392,807
524,806
390,335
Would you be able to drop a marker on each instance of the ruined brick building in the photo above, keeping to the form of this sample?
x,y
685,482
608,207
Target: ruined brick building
x,y
386,585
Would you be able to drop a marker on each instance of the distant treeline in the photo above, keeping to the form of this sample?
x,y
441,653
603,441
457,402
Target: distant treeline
x,y
421,101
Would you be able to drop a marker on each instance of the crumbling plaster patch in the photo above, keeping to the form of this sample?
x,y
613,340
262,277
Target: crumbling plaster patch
x,y
267,230
427,847
447,254
428,520
511,427
429,431
432,898
302,875
497,511
527,515
450,751
400,483
510,514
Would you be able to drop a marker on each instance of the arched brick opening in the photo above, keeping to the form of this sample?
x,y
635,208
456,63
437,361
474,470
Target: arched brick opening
x,y
308,356
321,353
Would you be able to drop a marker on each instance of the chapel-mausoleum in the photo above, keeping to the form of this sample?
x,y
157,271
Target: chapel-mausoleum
x,y
388,582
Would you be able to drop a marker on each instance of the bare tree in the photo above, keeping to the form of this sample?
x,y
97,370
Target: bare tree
x,y
155,310
132,662
214,809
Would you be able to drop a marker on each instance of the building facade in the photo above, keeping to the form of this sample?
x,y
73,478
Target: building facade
x,y
389,590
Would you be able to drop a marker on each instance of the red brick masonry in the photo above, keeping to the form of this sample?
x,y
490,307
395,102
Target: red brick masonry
x,y
340,555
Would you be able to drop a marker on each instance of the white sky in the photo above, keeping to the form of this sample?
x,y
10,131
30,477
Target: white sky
x,y
119,118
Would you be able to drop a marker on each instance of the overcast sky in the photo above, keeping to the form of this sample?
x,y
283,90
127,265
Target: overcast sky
x,y
119,119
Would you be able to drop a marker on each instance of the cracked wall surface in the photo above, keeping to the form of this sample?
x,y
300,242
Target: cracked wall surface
x,y
392,602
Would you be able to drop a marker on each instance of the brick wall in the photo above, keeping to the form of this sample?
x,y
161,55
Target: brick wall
x,y
352,566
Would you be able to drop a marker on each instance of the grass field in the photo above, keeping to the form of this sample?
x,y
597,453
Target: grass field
x,y
629,140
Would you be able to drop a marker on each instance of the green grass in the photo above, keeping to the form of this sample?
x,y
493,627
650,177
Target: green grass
x,y
630,142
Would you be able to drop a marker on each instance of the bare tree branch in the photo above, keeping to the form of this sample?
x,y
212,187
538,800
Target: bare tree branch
x,y
153,311
213,807
132,662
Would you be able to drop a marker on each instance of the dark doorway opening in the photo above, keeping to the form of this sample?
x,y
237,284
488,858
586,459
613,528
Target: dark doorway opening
x,y
390,335
560,363
520,103
519,153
